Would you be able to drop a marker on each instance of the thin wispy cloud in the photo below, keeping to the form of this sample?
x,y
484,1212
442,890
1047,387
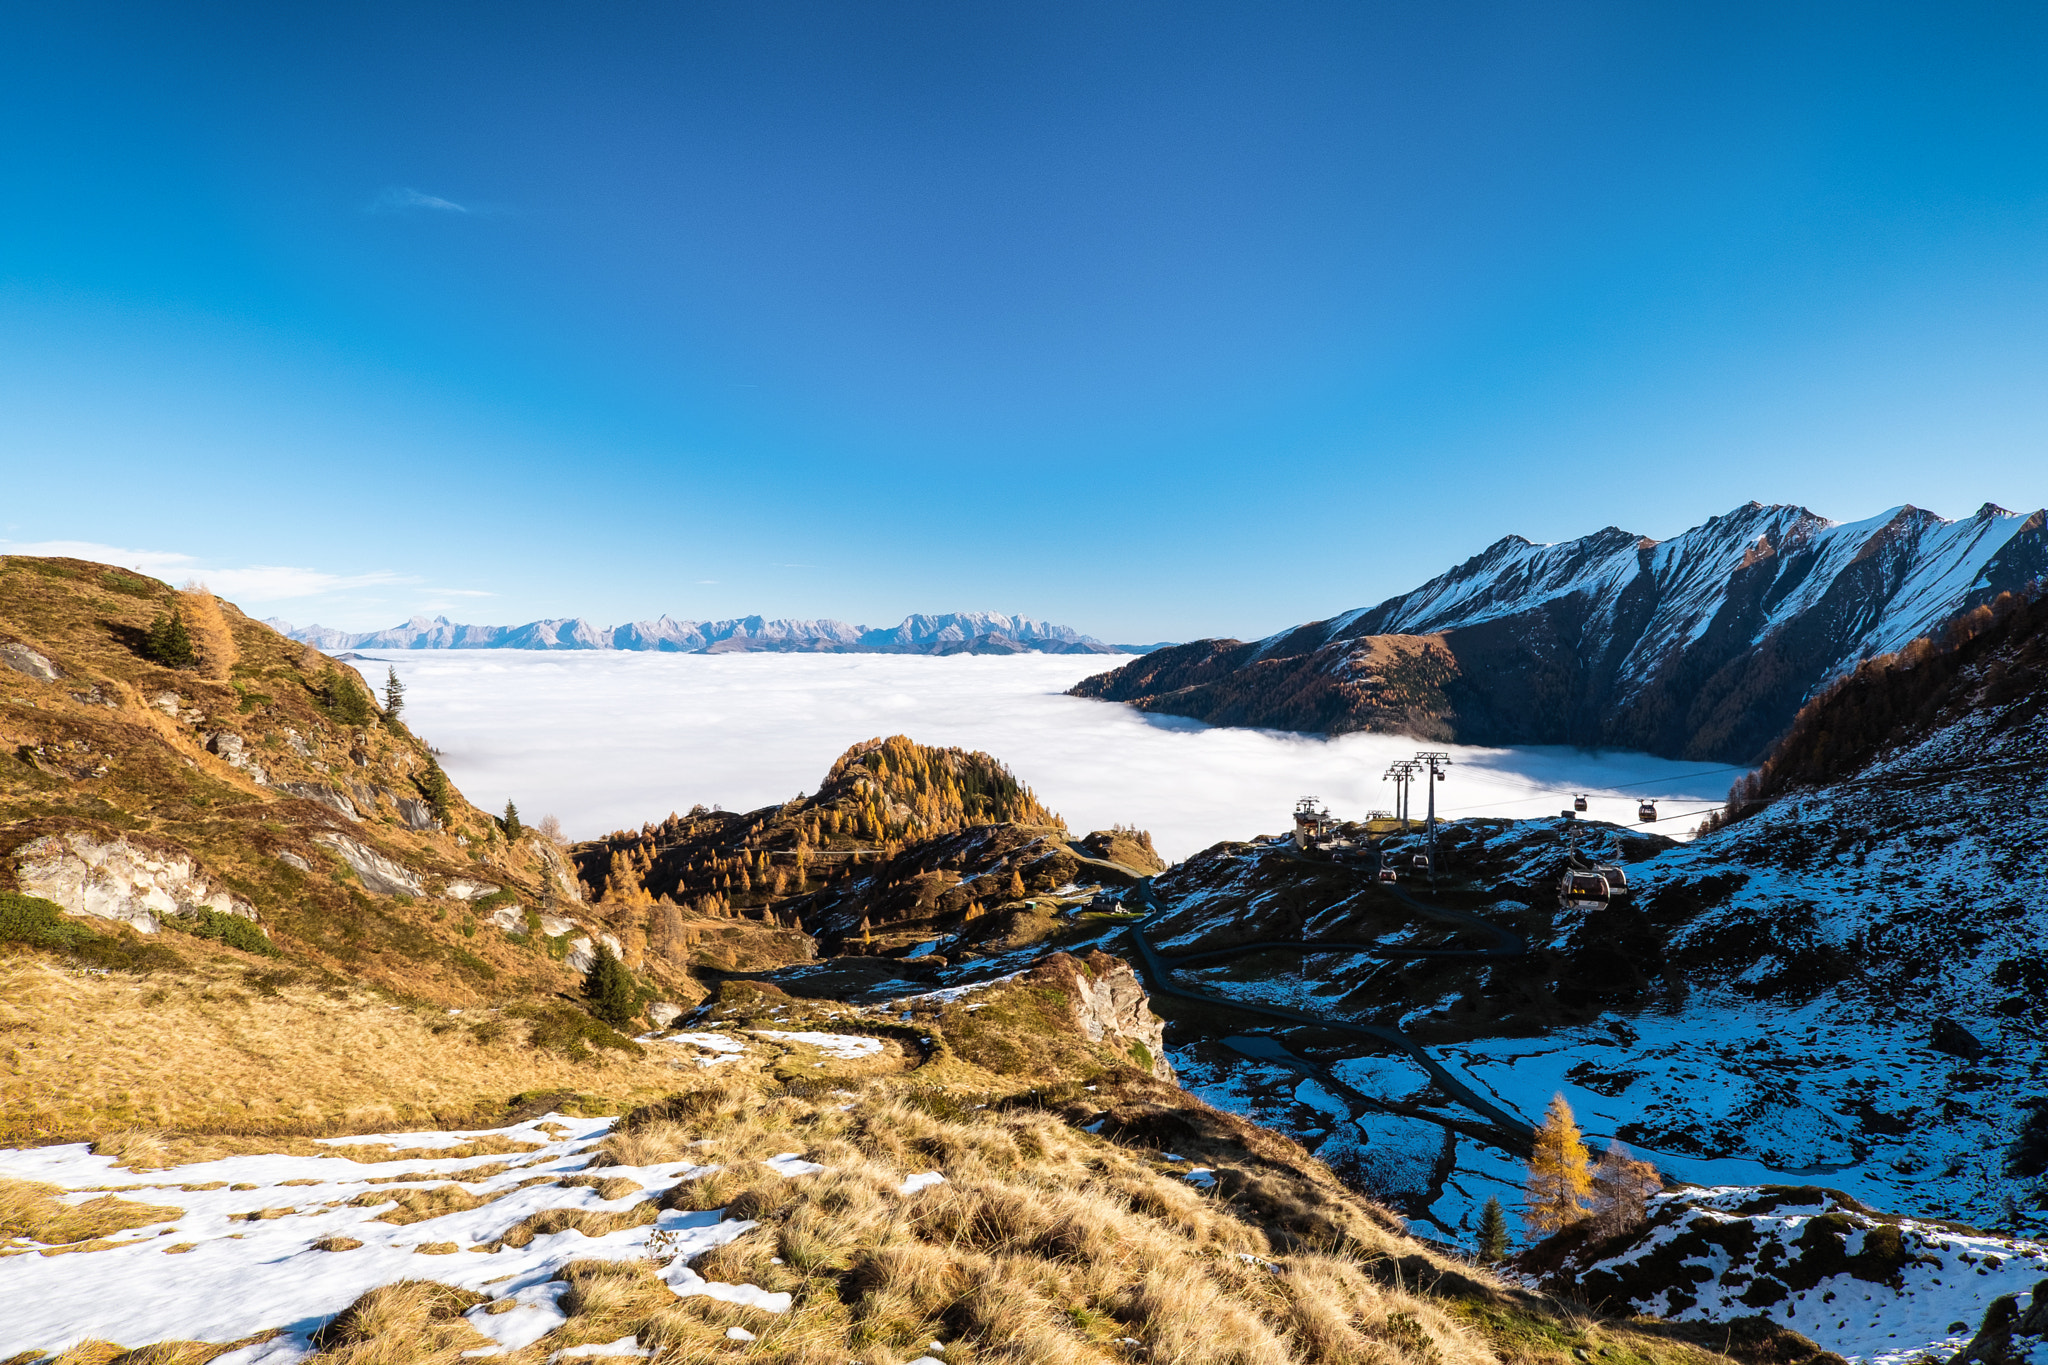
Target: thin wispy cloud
x,y
405,199
257,587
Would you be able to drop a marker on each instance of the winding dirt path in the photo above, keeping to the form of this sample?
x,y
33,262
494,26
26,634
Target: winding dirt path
x,y
1514,1132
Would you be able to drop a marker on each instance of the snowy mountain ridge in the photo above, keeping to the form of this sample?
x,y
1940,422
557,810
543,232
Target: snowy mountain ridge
x,y
1701,646
945,633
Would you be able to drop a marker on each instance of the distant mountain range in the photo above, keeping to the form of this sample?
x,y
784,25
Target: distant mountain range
x,y
1702,646
973,632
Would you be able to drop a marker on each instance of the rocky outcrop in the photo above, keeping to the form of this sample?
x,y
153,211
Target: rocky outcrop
x,y
378,873
28,662
558,867
1110,1006
583,952
231,750
325,796
417,814
461,889
120,878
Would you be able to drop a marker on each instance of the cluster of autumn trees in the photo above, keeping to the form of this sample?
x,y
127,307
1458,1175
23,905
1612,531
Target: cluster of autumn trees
x,y
900,788
879,795
1566,1187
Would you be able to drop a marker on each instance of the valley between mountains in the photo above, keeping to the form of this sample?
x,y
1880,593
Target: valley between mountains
x,y
905,1071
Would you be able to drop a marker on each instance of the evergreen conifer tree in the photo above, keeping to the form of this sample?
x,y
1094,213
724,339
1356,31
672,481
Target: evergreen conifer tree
x,y
513,828
344,699
1493,1232
608,986
394,694
435,787
1560,1177
169,643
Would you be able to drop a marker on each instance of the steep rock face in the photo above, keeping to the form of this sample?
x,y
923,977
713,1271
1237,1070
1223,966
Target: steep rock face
x,y
1702,646
1110,1003
120,879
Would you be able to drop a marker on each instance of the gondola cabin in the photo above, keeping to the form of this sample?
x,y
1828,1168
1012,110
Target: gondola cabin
x,y
1388,874
1647,812
1582,888
1616,879
1578,803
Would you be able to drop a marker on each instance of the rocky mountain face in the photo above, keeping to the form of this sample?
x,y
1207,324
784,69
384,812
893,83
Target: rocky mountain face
x,y
975,632
1703,646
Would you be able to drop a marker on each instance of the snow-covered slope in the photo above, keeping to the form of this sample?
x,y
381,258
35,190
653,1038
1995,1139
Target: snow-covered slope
x,y
1701,646
948,633
1846,988
266,1241
1869,1286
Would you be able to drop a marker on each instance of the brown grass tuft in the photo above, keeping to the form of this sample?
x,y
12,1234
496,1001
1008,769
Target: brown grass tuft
x,y
32,1214
413,1322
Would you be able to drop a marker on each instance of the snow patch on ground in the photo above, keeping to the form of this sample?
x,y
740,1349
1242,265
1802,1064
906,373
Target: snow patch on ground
x,y
842,1047
134,1293
1924,1293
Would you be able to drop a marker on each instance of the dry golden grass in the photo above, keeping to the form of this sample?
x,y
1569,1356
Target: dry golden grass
x,y
32,1215
413,1322
1044,1245
416,1206
93,1056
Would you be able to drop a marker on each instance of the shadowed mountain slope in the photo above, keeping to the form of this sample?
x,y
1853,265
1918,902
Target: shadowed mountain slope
x,y
1703,646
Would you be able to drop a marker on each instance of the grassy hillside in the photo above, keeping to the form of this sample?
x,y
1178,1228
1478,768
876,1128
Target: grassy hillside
x,y
249,829
1062,1206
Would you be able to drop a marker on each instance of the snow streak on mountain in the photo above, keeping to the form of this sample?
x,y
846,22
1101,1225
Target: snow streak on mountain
x,y
1702,646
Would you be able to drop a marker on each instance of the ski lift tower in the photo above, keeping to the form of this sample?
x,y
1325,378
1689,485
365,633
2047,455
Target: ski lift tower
x,y
1436,763
1400,772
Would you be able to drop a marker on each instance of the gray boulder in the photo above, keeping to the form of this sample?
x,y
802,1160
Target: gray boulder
x,y
28,662
379,873
326,796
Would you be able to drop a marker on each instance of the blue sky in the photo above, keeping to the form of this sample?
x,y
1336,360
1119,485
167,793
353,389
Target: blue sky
x,y
1158,320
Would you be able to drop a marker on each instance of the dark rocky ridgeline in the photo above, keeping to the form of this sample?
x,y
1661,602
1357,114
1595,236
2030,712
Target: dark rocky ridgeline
x,y
1987,664
1701,647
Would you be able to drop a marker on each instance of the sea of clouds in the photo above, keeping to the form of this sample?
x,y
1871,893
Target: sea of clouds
x,y
609,740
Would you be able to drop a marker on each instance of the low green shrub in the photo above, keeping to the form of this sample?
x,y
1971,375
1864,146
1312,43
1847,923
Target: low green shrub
x,y
572,1033
38,923
232,930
